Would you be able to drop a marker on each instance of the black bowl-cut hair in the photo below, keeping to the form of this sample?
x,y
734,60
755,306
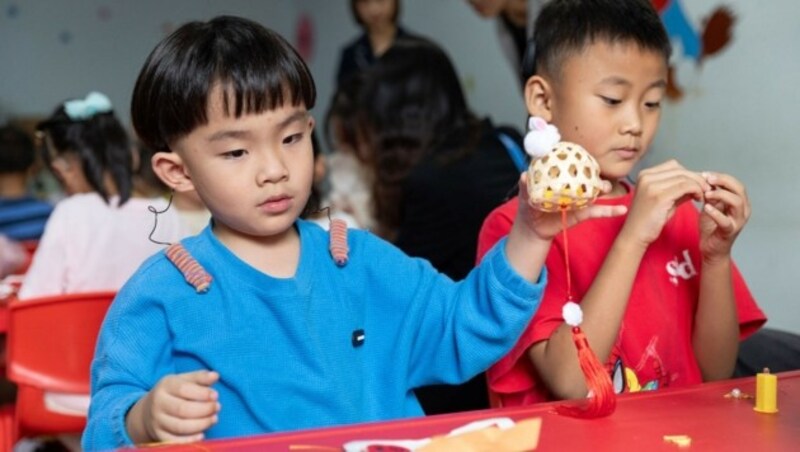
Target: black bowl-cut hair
x,y
257,68
566,27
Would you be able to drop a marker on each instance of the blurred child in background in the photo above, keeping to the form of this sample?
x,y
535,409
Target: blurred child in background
x,y
22,216
98,235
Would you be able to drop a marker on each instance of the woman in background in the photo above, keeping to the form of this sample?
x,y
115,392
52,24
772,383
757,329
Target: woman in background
x,y
438,171
379,21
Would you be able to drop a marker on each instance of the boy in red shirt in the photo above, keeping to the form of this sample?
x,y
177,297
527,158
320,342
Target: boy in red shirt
x,y
663,303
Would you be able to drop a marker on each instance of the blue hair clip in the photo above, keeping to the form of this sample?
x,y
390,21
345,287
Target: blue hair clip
x,y
94,103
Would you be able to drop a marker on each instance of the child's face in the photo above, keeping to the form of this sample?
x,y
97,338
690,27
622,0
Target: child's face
x,y
254,172
607,99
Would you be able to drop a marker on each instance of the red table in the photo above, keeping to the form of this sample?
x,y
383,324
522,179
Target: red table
x,y
714,423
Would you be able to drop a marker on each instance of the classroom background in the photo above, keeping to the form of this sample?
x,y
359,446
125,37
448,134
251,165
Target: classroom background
x,y
735,112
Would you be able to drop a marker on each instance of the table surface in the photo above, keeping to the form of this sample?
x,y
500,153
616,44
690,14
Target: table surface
x,y
712,421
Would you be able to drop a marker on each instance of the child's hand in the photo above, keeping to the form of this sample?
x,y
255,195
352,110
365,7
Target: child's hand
x,y
659,191
725,213
533,231
546,225
179,408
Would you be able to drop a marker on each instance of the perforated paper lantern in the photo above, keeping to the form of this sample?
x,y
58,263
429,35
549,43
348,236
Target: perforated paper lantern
x,y
566,177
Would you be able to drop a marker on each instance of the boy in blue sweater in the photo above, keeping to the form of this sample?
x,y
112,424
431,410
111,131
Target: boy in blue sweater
x,y
283,338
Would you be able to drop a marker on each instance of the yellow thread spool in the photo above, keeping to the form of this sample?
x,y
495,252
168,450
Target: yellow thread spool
x,y
766,392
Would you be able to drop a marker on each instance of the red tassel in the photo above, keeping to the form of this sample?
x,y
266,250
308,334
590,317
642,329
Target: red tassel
x,y
603,401
338,241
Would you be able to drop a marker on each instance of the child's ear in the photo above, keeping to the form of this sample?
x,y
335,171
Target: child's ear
x,y
169,167
538,97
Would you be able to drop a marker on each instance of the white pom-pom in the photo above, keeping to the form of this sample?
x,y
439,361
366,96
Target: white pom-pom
x,y
572,313
541,137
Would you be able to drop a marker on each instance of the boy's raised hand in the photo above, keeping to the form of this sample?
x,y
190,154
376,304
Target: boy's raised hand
x,y
546,225
725,212
659,191
533,231
178,409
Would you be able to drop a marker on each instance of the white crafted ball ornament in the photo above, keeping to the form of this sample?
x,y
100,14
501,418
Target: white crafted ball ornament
x,y
562,175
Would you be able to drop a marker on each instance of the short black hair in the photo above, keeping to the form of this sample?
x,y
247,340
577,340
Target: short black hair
x,y
566,27
256,66
16,150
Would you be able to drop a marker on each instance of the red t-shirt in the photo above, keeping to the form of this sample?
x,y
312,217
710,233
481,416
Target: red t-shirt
x,y
653,347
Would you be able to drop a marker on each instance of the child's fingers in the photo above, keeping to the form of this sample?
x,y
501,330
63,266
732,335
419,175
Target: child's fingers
x,y
180,439
596,211
726,200
677,173
192,391
523,183
676,189
189,409
605,186
186,427
725,223
202,377
725,181
670,169
193,386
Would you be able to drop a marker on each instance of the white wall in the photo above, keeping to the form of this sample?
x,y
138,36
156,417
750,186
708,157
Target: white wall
x,y
738,115
39,69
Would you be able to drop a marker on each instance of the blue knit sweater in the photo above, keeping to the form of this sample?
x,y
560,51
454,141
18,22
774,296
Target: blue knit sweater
x,y
284,347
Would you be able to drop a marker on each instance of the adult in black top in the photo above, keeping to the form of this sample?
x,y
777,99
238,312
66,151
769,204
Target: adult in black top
x,y
379,20
445,201
438,171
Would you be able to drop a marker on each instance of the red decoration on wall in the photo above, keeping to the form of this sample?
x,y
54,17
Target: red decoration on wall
x,y
659,5
304,37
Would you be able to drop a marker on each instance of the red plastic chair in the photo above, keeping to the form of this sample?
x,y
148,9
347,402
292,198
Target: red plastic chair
x,y
6,428
51,343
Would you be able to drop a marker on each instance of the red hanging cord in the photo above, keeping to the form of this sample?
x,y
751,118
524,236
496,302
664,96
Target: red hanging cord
x,y
566,251
602,400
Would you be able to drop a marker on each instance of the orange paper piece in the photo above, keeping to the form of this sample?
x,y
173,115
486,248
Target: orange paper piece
x,y
524,435
679,440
